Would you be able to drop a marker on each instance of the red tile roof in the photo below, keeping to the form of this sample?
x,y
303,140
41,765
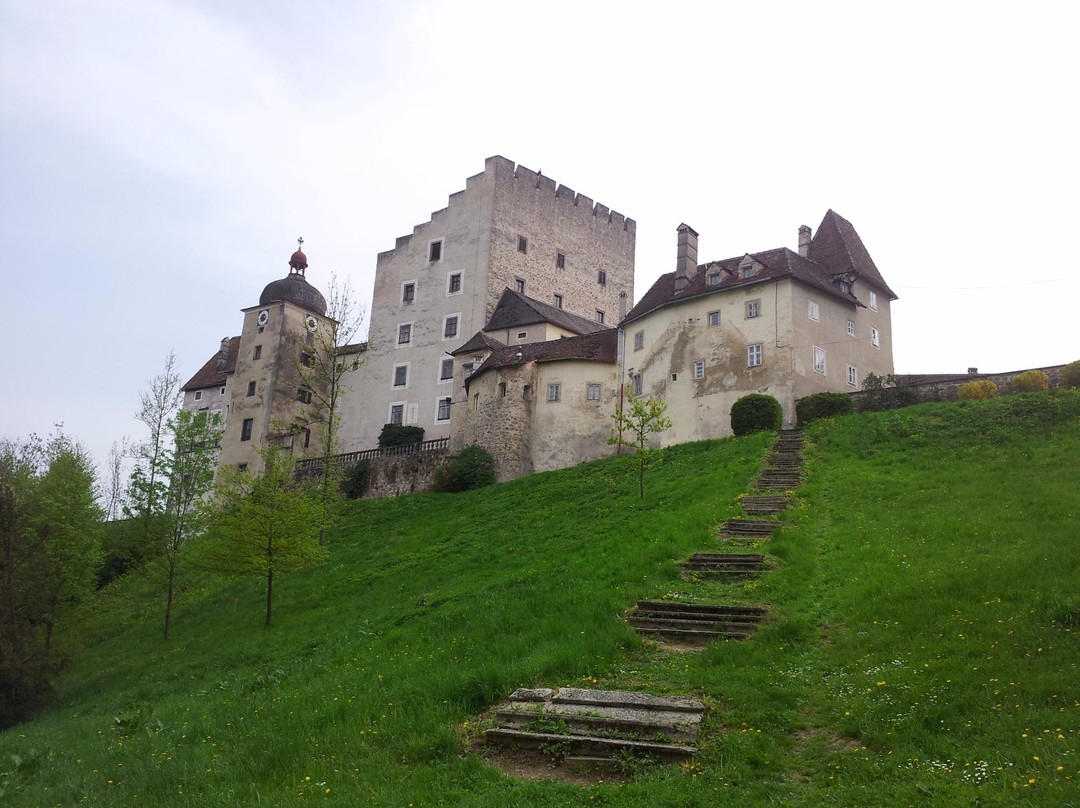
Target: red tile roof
x,y
515,310
599,347
217,368
837,248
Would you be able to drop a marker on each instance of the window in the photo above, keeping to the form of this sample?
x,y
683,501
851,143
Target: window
x,y
819,360
257,353
753,308
674,377
303,395
844,286
875,340
523,335
241,467
639,340
401,375
443,413
502,389
714,279
753,355
852,375
434,252
747,271
450,326
714,318
307,438
397,413
408,293
812,311
599,316
251,388
519,286
404,334
245,429
446,370
592,392
558,301
476,402
198,395
560,261
873,300
222,391
554,392
699,370
453,283
523,244
851,328
635,386
306,359
601,277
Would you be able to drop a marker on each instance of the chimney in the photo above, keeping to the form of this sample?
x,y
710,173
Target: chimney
x,y
686,264
804,241
622,306
223,354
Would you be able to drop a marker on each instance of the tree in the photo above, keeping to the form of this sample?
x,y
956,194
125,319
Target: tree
x,y
635,421
114,480
265,525
326,376
148,487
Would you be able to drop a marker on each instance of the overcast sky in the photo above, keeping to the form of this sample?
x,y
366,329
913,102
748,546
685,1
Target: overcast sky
x,y
160,158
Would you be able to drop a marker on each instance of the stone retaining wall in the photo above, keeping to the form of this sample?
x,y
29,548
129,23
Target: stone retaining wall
x,y
404,474
945,389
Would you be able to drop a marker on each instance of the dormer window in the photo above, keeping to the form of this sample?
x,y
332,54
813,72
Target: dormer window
x,y
714,279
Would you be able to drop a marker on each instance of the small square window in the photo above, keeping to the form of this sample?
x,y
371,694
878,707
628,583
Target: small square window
x,y
246,428
222,391
560,261
852,375
306,359
401,375
554,392
446,370
241,467
251,388
746,271
558,301
397,413
601,277
753,308
699,370
523,244
639,340
408,293
873,300
851,328
674,377
592,392
819,360
714,318
198,395
303,395
753,355
875,339
599,316
434,252
523,334
257,353
636,385
519,286
502,389
813,311
404,334
714,279
450,326
453,283
444,409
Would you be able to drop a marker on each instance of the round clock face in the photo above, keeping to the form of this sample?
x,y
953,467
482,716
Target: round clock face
x,y
312,323
264,316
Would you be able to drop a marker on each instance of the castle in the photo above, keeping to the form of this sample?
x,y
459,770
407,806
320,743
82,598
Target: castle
x,y
505,321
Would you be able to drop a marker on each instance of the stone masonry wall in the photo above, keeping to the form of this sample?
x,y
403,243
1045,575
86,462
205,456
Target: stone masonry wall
x,y
946,389
404,474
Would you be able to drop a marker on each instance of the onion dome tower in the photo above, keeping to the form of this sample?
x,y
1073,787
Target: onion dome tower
x,y
294,288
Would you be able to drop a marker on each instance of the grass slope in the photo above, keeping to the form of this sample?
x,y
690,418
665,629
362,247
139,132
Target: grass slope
x,y
924,648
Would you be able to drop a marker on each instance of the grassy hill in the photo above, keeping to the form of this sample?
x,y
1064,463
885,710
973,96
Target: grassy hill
x,y
923,648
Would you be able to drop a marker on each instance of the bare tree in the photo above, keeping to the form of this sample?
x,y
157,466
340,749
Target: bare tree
x,y
114,481
147,489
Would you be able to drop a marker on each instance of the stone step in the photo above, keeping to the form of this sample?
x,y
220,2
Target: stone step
x,y
764,505
783,460
590,746
704,610
778,481
790,433
701,630
788,446
695,622
748,528
723,565
613,699
573,724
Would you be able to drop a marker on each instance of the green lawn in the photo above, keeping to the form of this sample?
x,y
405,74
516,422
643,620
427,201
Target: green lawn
x,y
923,648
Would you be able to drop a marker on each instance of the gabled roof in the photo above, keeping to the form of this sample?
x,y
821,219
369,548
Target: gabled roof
x,y
837,248
515,309
776,265
599,347
478,342
217,368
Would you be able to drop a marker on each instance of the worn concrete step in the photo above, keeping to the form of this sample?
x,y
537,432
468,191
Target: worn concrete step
x,y
634,728
790,433
787,446
613,699
563,746
764,505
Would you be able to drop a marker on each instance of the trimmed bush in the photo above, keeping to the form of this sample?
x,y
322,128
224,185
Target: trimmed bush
x,y
1030,381
473,468
1070,374
977,391
822,405
356,480
755,413
398,435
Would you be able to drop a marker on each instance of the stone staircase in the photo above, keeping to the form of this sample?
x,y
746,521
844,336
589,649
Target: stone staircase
x,y
729,566
694,623
782,467
597,727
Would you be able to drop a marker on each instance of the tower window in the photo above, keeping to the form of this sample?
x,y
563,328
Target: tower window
x,y
404,334
560,261
435,251
246,428
450,326
523,244
303,395
397,413
599,316
558,301
401,375
257,353
408,293
251,388
601,277
519,285
444,409
446,369
453,283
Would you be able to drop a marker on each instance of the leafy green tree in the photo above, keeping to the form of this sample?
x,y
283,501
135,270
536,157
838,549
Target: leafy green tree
x,y
265,525
635,421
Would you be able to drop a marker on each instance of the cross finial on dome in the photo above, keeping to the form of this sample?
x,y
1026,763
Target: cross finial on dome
x,y
298,261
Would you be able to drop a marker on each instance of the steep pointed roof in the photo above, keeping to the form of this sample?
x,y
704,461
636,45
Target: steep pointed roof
x,y
601,346
837,248
478,342
515,309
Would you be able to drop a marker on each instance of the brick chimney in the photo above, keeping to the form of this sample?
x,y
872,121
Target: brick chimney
x,y
804,241
223,354
686,264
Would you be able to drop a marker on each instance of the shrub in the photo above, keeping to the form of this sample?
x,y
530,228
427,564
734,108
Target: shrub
x,y
356,480
398,435
822,405
473,468
1030,381
885,393
755,413
975,391
1070,374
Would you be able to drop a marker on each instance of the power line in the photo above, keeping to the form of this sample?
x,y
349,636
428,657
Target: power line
x,y
970,288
